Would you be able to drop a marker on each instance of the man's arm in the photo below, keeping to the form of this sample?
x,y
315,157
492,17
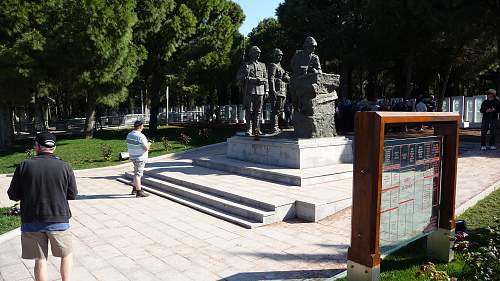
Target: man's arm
x,y
15,191
483,107
72,189
145,143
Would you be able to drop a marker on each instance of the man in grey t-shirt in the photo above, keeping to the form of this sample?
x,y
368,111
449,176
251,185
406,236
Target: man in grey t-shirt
x,y
138,147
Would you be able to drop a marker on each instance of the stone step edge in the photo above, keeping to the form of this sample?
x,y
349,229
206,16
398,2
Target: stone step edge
x,y
230,206
244,222
213,191
203,162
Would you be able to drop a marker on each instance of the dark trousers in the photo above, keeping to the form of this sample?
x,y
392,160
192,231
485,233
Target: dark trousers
x,y
488,125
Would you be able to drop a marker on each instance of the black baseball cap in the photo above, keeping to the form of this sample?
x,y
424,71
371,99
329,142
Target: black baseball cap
x,y
138,123
46,139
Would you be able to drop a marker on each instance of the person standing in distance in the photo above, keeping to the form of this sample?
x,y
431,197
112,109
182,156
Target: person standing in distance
x,y
489,108
44,184
138,147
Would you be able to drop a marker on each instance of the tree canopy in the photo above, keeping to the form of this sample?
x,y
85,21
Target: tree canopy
x,y
387,48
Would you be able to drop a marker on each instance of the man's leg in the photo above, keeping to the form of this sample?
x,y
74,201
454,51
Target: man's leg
x,y
137,183
35,247
41,273
66,267
493,124
484,131
61,243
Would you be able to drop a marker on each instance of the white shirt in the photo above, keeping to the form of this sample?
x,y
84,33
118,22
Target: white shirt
x,y
137,144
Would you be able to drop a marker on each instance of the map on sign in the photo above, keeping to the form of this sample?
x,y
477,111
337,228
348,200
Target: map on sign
x,y
410,190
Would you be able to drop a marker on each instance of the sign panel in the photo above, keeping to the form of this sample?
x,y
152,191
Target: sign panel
x,y
410,190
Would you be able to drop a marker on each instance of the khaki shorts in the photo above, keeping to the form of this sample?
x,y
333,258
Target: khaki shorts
x,y
35,244
139,167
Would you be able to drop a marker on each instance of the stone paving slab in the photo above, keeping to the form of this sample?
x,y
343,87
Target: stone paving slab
x,y
119,237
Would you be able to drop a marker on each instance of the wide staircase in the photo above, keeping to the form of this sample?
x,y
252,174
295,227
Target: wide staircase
x,y
250,196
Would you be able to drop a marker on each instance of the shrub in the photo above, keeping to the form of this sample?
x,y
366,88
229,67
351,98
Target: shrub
x,y
430,272
484,261
30,152
106,152
184,139
203,133
167,145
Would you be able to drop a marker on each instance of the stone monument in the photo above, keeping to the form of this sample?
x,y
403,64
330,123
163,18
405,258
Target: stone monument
x,y
313,94
314,142
252,77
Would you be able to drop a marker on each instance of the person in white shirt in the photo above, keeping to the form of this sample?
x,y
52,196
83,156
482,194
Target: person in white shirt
x,y
138,147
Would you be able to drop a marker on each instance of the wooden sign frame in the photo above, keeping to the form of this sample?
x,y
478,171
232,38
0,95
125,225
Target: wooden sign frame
x,y
367,183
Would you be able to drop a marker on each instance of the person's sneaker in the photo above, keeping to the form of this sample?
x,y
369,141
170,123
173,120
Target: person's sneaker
x,y
483,147
493,147
133,192
141,193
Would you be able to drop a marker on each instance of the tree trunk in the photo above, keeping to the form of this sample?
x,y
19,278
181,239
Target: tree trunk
x,y
408,72
498,45
371,88
155,109
442,93
88,130
345,75
6,132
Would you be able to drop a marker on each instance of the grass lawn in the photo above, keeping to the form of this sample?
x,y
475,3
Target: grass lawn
x,y
86,153
403,265
7,223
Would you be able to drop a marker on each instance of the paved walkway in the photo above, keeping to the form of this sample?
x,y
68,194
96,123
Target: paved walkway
x,y
119,237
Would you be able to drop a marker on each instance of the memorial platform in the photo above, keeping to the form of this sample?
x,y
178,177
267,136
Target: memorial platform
x,y
249,194
291,153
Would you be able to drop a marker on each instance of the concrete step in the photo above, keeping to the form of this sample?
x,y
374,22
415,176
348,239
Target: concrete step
x,y
205,188
197,205
288,176
222,203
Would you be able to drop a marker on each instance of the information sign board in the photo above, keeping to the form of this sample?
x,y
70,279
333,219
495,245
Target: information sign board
x,y
410,190
403,189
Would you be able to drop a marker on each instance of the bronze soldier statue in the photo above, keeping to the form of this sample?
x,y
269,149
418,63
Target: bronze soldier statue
x,y
305,61
278,82
313,94
252,77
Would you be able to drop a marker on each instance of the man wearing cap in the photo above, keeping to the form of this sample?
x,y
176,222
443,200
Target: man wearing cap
x,y
490,109
44,184
252,76
138,147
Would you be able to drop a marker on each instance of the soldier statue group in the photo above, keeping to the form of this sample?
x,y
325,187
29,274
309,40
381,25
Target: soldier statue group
x,y
259,81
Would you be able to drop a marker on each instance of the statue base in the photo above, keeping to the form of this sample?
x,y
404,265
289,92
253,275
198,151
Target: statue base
x,y
291,153
314,97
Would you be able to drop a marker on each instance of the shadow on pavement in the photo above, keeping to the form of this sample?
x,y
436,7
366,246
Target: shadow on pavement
x,y
312,275
103,196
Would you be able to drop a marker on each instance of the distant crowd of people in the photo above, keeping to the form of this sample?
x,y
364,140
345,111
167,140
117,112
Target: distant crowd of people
x,y
346,108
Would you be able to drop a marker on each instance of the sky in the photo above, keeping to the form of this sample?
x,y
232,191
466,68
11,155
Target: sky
x,y
255,11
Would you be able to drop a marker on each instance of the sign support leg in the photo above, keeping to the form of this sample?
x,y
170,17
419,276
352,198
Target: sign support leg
x,y
440,244
359,272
